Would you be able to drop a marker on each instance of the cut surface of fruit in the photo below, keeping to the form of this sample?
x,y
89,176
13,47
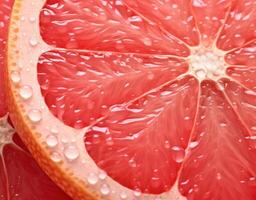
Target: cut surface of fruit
x,y
20,176
138,99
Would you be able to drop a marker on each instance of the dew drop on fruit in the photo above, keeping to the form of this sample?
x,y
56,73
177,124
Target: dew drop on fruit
x,y
167,144
55,156
51,140
150,76
71,152
137,193
155,182
201,74
33,42
105,189
123,195
253,128
249,92
54,130
32,19
35,115
64,140
147,41
25,92
15,76
102,175
223,124
218,176
193,144
92,178
178,154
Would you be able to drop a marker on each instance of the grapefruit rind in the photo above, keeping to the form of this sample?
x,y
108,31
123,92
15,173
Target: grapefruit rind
x,y
25,42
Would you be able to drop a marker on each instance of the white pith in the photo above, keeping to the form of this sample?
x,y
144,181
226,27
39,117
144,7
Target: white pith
x,y
204,64
207,63
6,133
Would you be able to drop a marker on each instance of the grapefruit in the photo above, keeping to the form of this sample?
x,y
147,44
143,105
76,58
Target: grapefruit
x,y
127,99
20,176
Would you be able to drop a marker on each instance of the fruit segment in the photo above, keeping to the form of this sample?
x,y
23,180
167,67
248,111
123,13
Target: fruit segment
x,y
174,16
245,56
243,101
79,88
210,17
142,144
5,11
20,175
221,161
240,26
26,184
244,75
104,26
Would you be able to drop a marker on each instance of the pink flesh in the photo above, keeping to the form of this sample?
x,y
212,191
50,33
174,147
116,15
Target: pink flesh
x,y
143,139
174,16
244,65
210,18
222,165
84,82
119,29
240,26
5,10
86,85
25,178
20,176
244,56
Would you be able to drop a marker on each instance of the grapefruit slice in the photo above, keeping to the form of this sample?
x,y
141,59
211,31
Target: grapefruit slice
x,y
127,99
16,163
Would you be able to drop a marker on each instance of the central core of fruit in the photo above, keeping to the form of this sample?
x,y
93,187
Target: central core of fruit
x,y
207,63
6,132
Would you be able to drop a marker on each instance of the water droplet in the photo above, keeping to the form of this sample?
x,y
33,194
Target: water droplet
x,y
137,193
15,76
92,178
250,92
71,152
64,140
187,118
147,41
223,124
132,163
33,42
109,142
253,128
201,73
193,144
178,154
55,156
167,144
51,140
54,130
83,161
105,189
123,195
35,115
150,76
218,176
32,19
102,175
26,92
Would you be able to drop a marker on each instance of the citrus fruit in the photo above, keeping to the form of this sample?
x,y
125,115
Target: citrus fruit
x,y
20,176
127,99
